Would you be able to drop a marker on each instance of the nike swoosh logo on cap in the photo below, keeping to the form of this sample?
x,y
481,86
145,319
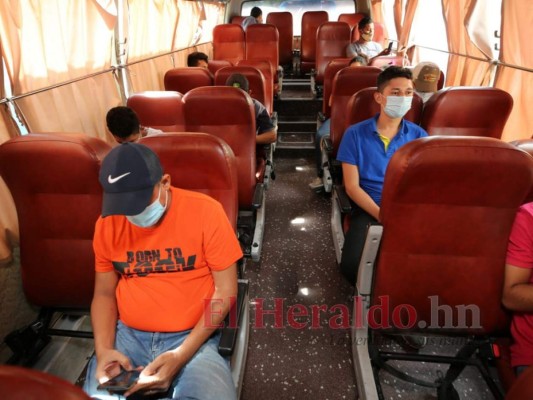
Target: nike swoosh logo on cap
x,y
113,180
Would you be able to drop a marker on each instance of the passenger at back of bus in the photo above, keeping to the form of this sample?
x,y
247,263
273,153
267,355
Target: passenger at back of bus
x,y
165,277
426,77
255,17
365,46
365,151
266,130
317,183
123,123
518,288
197,59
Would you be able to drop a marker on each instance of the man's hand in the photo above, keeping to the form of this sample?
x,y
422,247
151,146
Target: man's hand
x,y
159,374
109,363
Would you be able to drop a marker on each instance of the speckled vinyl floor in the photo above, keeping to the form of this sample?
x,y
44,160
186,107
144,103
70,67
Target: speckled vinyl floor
x,y
302,349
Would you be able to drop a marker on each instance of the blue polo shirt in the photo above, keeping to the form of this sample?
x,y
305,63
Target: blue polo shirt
x,y
362,146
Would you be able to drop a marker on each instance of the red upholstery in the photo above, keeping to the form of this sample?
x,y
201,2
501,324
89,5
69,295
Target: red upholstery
x,y
184,79
351,19
332,68
237,19
283,22
382,61
199,162
527,146
523,387
227,113
462,195
262,44
311,20
347,82
17,383
255,78
159,110
266,70
228,43
362,106
506,373
215,65
467,111
53,179
332,38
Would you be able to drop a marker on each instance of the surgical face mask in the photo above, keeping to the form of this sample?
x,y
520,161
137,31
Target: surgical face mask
x,y
151,214
367,36
397,106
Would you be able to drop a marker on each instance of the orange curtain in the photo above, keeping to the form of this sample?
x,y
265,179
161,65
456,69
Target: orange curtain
x,y
461,70
516,15
405,33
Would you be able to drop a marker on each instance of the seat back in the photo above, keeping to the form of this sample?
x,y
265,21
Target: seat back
x,y
383,61
362,106
265,68
184,79
199,162
159,109
215,65
237,19
283,22
26,383
255,78
347,82
462,195
351,19
53,179
228,43
332,38
262,44
523,387
332,68
467,111
227,113
311,20
527,146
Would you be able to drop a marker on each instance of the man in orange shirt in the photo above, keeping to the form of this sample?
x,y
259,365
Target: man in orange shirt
x,y
162,255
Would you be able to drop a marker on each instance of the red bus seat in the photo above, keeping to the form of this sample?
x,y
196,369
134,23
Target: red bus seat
x,y
332,68
266,70
311,20
351,19
237,19
283,22
159,110
228,43
332,38
262,44
184,79
214,65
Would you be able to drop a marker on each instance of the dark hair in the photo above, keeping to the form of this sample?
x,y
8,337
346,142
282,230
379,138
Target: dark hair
x,y
358,59
122,122
256,12
238,81
194,58
392,72
364,22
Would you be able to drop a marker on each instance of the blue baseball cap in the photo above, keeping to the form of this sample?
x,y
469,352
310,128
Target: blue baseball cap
x,y
128,175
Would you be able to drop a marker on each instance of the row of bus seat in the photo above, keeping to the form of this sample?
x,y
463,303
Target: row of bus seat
x,y
58,200
259,42
261,85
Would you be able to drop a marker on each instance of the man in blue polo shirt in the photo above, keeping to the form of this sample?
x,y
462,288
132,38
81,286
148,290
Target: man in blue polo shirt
x,y
365,151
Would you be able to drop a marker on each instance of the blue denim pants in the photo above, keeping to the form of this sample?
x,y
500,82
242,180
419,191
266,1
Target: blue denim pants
x,y
206,376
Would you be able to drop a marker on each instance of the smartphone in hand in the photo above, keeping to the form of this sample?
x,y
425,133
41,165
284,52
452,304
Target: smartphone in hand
x,y
120,383
389,48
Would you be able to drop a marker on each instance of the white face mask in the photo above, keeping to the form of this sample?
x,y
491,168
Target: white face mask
x,y
151,214
367,36
397,106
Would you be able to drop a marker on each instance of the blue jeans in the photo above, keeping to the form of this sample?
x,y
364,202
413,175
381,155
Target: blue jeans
x,y
322,131
206,376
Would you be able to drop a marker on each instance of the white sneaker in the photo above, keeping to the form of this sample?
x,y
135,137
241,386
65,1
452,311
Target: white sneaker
x,y
316,184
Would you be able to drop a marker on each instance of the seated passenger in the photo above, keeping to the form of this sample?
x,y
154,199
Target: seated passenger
x,y
426,78
266,130
123,123
317,183
165,277
518,288
197,59
255,17
365,151
364,46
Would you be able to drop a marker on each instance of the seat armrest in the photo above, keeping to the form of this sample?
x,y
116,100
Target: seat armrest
x,y
342,199
232,322
258,196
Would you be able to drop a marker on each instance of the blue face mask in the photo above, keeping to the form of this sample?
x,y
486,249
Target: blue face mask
x,y
151,214
397,106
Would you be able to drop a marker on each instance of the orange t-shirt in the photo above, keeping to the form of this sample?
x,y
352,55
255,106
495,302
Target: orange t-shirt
x,y
165,271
